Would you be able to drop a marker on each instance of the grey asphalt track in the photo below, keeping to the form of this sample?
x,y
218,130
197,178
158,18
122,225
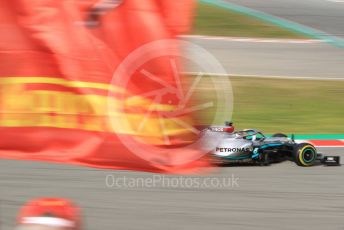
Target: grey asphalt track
x,y
314,60
324,15
282,196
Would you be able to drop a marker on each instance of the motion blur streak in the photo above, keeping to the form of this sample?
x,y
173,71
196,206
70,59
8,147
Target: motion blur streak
x,y
57,59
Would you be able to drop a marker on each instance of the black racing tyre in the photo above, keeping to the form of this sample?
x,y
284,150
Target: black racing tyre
x,y
264,159
305,155
279,135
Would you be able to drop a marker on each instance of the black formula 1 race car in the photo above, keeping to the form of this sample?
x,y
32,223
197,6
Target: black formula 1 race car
x,y
252,146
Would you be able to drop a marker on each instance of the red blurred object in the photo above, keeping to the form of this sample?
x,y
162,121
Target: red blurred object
x,y
55,73
53,212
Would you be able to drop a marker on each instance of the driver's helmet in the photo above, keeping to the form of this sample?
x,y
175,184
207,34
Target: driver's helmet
x,y
249,134
49,214
243,133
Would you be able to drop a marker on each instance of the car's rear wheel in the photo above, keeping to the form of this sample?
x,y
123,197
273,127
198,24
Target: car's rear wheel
x,y
305,155
279,135
264,159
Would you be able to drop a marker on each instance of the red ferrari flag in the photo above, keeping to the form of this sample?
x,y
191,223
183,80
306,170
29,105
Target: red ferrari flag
x,y
83,82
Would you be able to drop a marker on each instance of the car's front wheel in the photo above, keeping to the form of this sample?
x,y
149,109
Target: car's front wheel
x,y
305,155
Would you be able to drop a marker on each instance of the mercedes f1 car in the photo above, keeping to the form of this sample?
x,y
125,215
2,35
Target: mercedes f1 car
x,y
252,146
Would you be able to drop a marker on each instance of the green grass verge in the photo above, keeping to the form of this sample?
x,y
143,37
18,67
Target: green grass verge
x,y
212,20
289,106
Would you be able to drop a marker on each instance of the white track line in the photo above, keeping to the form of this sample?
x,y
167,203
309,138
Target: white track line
x,y
269,77
253,40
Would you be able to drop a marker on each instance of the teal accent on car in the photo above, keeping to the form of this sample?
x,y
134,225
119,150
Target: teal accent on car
x,y
238,157
255,153
270,145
